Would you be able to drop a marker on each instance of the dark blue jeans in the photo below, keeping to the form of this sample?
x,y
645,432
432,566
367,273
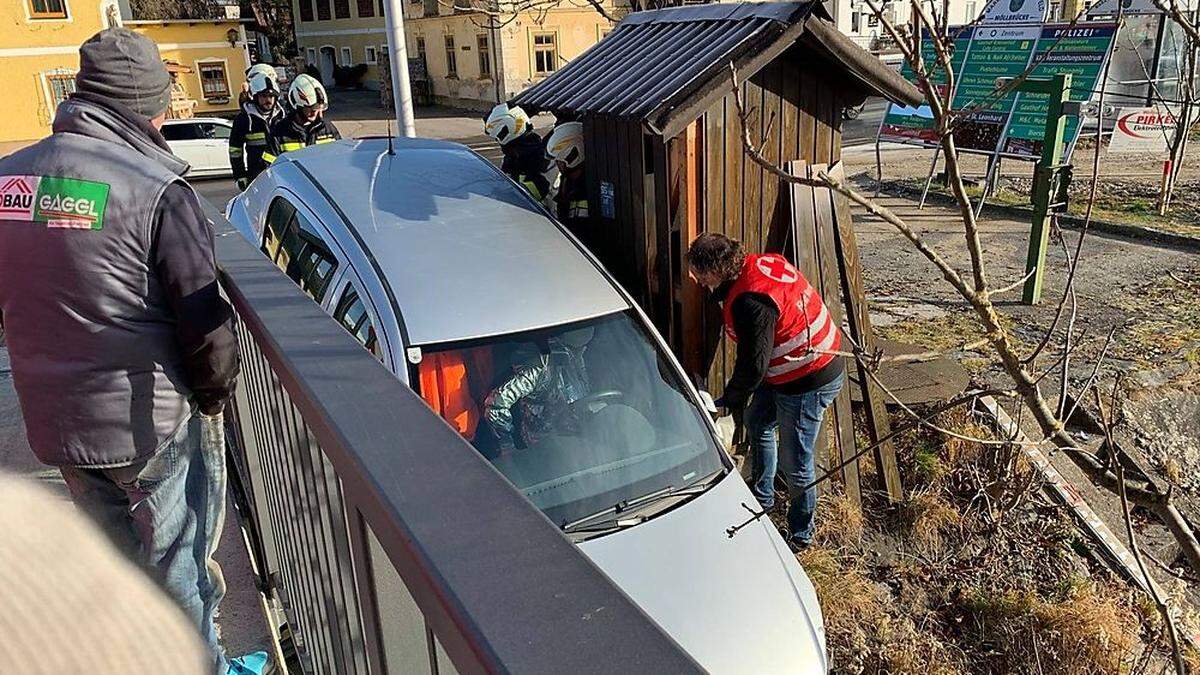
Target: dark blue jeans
x,y
165,513
797,418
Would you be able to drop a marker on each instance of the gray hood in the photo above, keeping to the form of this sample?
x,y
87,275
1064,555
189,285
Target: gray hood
x,y
86,115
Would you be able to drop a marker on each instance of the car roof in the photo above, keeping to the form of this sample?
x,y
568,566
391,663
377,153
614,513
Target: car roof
x,y
466,253
193,120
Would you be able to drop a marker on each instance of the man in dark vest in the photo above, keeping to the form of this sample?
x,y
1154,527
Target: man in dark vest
x,y
785,343
123,352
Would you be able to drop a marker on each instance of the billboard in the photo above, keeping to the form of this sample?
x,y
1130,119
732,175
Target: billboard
x,y
1012,124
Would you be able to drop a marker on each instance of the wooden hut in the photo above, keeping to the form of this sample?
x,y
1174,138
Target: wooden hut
x,y
663,143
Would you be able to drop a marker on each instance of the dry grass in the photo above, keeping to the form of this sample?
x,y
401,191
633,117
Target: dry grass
x,y
951,582
1086,631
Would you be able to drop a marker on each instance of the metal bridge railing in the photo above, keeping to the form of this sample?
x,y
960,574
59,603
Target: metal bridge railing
x,y
391,544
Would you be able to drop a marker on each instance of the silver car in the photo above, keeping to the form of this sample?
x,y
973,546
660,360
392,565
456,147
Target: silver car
x,y
463,286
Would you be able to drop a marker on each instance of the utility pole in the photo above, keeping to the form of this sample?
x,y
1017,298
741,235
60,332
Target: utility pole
x,y
398,54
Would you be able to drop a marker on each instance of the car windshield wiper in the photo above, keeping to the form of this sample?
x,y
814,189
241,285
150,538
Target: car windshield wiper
x,y
597,521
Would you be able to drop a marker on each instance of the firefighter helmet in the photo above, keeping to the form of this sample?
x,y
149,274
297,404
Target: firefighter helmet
x,y
261,84
565,144
307,92
263,69
505,123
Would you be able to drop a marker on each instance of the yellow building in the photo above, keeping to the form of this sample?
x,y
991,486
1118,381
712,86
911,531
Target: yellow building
x,y
468,62
39,55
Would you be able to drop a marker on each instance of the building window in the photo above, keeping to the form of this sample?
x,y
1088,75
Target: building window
x,y
323,10
485,56
972,12
366,8
59,84
451,57
855,22
421,49
214,83
306,10
341,9
431,7
372,57
545,53
48,9
347,58
310,56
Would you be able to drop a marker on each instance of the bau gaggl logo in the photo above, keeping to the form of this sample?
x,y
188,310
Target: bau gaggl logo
x,y
55,201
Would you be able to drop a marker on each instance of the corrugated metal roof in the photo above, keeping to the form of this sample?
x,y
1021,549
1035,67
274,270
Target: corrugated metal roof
x,y
652,57
653,61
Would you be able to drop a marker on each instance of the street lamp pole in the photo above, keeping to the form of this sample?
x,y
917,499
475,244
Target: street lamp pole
x,y
398,55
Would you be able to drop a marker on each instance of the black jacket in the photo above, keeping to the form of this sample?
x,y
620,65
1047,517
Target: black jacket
x,y
754,317
250,138
525,160
288,134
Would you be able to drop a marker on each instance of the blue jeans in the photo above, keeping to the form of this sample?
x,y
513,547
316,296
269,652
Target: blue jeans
x,y
797,417
164,512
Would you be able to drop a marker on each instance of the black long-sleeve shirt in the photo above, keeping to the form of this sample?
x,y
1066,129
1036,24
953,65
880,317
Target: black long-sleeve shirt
x,y
183,260
754,317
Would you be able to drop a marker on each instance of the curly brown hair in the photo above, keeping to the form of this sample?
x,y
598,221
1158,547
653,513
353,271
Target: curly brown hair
x,y
711,252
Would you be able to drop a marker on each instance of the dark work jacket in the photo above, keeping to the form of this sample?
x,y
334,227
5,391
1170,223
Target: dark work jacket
x,y
288,135
108,290
754,317
525,161
250,138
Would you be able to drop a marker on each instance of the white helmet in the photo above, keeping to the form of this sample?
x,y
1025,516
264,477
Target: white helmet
x,y
505,123
305,92
262,69
565,144
260,83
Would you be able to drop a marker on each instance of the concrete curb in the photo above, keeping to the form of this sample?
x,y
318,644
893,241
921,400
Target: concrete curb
x,y
1070,221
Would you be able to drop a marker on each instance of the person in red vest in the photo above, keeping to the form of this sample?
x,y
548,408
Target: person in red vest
x,y
786,367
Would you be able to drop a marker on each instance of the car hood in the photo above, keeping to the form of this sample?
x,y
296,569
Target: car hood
x,y
737,605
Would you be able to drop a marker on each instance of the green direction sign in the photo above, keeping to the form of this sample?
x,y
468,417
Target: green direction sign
x,y
1080,51
1012,124
914,124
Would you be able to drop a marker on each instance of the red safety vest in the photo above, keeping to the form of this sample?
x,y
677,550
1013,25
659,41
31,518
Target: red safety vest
x,y
804,323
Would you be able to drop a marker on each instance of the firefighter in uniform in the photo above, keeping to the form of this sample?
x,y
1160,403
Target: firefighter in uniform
x,y
565,147
786,344
252,128
306,125
524,151
259,68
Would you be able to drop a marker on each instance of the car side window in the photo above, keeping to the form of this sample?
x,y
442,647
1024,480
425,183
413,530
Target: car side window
x,y
352,314
180,132
214,131
295,246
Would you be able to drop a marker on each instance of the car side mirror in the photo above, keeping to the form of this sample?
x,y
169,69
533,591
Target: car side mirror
x,y
709,404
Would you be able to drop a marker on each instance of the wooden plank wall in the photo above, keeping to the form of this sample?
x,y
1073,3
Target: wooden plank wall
x,y
794,113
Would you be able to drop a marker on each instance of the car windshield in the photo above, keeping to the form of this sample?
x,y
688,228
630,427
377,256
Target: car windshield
x,y
578,417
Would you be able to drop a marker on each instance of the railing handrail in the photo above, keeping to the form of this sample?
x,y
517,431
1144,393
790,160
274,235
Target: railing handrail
x,y
498,583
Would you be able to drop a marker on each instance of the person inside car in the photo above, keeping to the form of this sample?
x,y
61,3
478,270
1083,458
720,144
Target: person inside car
x,y
538,399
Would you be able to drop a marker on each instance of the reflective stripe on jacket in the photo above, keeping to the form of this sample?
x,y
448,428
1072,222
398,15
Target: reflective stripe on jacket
x,y
287,135
249,139
805,331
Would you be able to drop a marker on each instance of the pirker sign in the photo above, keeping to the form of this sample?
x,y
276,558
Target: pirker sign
x,y
53,201
1137,130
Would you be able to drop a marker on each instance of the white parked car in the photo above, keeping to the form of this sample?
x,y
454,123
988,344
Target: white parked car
x,y
202,142
450,274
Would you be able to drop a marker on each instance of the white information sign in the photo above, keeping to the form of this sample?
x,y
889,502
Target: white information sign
x,y
1142,130
1014,11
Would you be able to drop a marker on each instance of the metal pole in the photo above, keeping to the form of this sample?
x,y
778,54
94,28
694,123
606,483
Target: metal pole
x,y
878,168
929,179
398,53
